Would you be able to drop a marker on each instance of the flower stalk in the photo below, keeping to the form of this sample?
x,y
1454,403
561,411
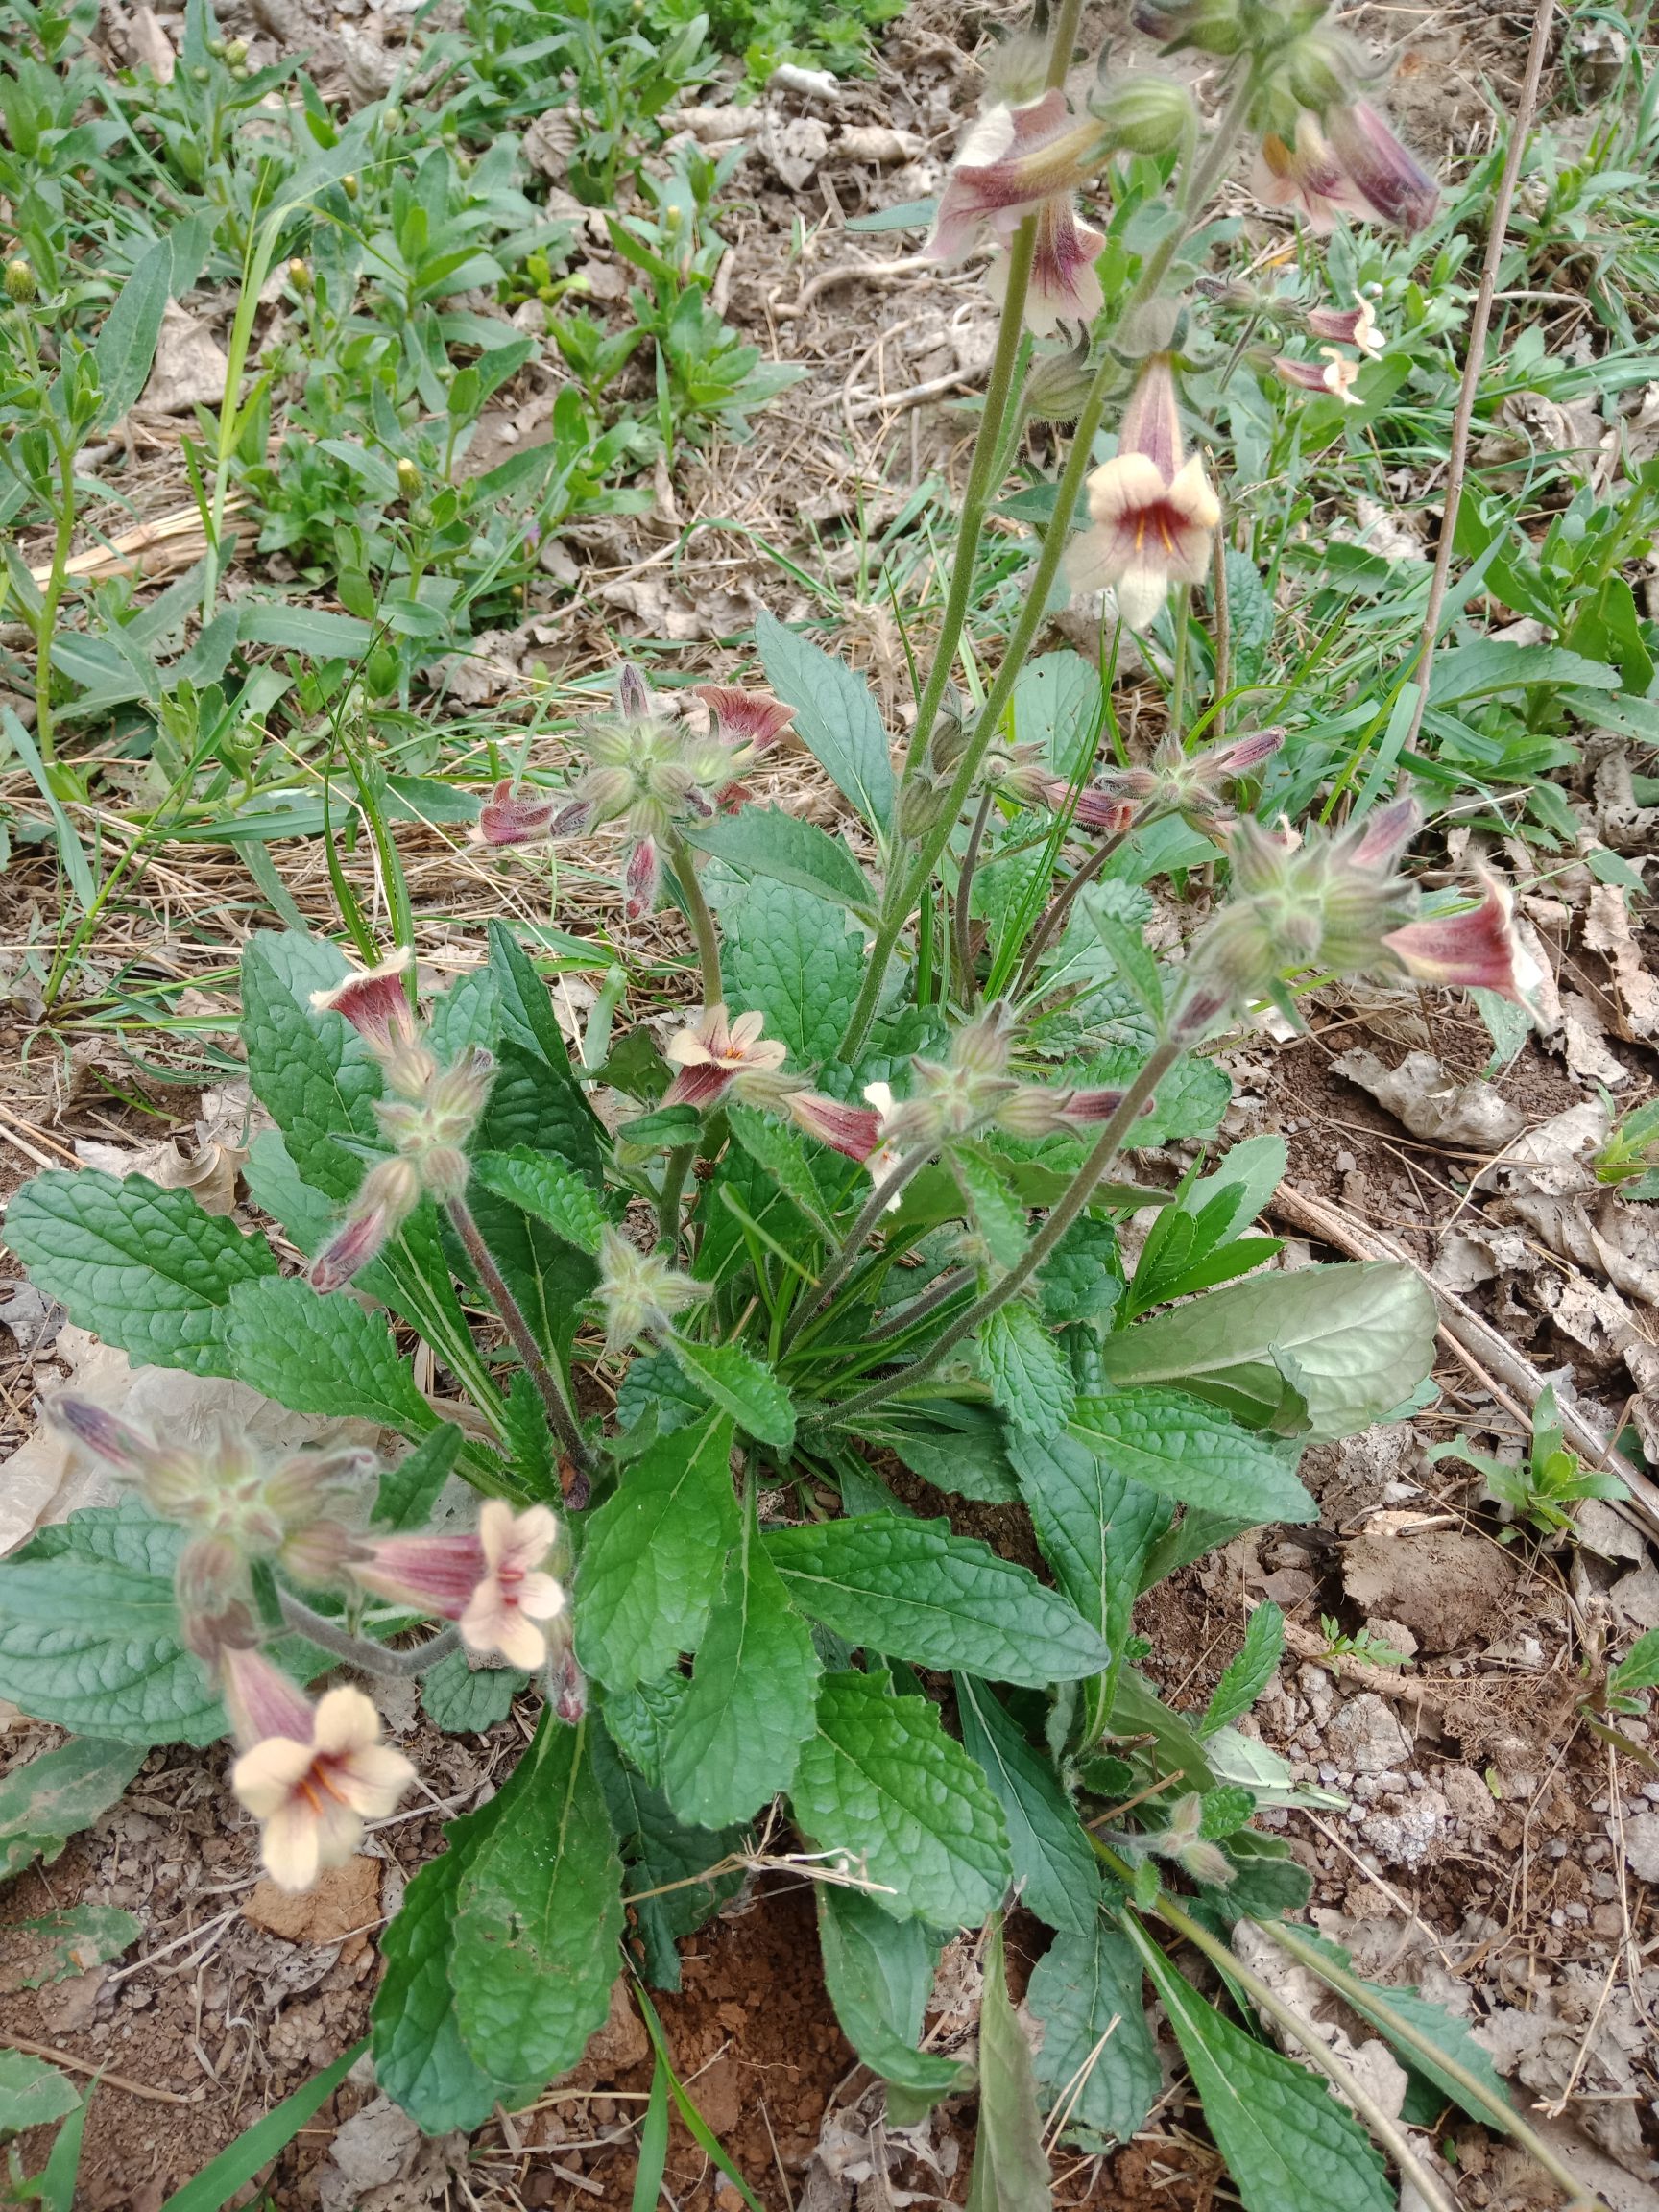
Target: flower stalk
x,y
560,1413
1066,1210
362,1651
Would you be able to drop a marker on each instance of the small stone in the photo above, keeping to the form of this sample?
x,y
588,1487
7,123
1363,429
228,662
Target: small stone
x,y
1370,1739
1642,1846
1406,1833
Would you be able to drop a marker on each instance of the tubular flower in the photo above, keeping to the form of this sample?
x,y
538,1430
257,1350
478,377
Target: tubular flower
x,y
508,817
1019,161
311,1776
1178,782
1355,325
1104,806
713,1053
1151,513
849,1129
638,1293
1305,175
376,1002
1384,177
752,717
513,1596
1475,950
641,879
491,1581
1333,375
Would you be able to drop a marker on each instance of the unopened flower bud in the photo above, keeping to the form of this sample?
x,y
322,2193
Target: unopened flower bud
x,y
300,275
638,1292
1318,69
317,1553
236,52
1145,113
1058,386
920,806
210,1576
19,281
392,1184
982,1046
349,184
641,878
409,478
361,1237
1210,25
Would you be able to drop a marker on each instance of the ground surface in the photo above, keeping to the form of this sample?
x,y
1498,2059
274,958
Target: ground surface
x,y
1490,1841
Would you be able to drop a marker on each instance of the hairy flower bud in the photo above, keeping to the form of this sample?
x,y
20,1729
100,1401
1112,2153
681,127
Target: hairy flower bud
x,y
20,284
638,1292
1144,113
299,276
1058,386
641,878
920,804
1210,25
1318,69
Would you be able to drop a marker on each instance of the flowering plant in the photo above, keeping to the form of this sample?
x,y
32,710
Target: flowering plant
x,y
853,1223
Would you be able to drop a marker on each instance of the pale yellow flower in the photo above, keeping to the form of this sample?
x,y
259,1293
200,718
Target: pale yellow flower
x,y
513,1596
312,1797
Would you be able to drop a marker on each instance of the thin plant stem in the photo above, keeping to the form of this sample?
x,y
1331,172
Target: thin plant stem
x,y
871,1212
1181,619
362,1650
1474,361
50,599
1060,905
1501,2114
1198,186
977,498
561,1415
1064,43
702,920
965,896
1060,1217
675,1169
922,1305
1223,638
1381,2123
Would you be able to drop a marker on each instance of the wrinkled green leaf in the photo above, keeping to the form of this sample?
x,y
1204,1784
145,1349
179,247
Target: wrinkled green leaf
x,y
1097,2057
879,1976
758,841
651,1561
880,1782
539,1912
742,1386
970,1461
737,1735
1030,1380
322,1355
462,1699
796,959
54,1796
1173,1443
143,1268
1055,1866
835,718
1010,2166
912,1590
409,1488
1244,1677
313,1073
537,1183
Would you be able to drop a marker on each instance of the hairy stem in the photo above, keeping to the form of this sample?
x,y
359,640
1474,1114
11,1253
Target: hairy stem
x,y
560,1413
964,898
925,1302
872,1211
1071,1203
675,1169
1381,2123
362,1650
977,498
1500,2113
1061,906
702,920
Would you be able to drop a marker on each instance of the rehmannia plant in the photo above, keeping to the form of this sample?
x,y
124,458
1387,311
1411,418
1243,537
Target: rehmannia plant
x,y
865,1208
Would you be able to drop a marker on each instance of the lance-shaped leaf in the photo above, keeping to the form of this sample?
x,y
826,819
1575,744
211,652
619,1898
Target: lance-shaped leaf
x,y
1097,2061
142,1268
746,1387
879,1976
1054,1865
651,1562
736,1733
537,1183
539,1912
835,718
48,1799
912,1590
314,1074
882,1784
322,1355
1171,1442
1010,2166
1029,1380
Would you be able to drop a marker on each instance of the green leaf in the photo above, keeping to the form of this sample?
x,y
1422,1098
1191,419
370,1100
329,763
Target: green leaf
x,y
322,1354
1244,1677
223,2179
1116,910
307,1216
1288,2145
735,1738
1010,2166
143,1268
651,1563
796,959
50,1799
313,1073
672,1886
969,1461
537,1183
1175,1444
1058,705
1096,1527
742,1385
781,1152
124,346
1082,1279
1029,1380
32,2093
1493,664
462,1699
835,718
757,841
1137,1710
410,1488
911,1589
1431,2020
880,1782
420,2058
993,1208
1098,2058
879,1977
1055,1866
639,1720
569,1126
69,1941
1359,1336
539,1916
550,1276
69,1649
